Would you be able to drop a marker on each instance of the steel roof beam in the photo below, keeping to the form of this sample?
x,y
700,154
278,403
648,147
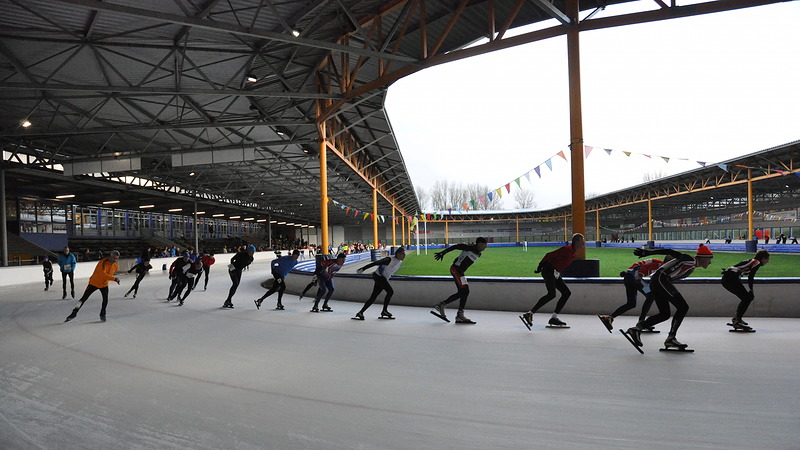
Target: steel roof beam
x,y
233,29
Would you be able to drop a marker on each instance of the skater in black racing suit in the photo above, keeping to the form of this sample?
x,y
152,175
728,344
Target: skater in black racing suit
x,y
469,254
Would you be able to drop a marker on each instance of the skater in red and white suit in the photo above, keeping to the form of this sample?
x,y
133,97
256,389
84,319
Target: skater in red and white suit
x,y
665,293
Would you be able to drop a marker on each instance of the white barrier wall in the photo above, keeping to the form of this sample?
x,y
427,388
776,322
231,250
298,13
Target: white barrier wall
x,y
706,296
33,274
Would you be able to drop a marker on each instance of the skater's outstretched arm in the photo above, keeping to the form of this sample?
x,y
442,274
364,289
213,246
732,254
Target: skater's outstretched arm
x,y
380,262
440,255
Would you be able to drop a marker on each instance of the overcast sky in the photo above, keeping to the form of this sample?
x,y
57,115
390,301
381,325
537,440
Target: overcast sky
x,y
707,88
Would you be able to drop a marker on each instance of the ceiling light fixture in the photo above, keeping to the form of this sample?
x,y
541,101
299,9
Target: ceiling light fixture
x,y
234,217
147,206
251,78
296,32
175,209
65,196
217,215
111,202
200,212
26,123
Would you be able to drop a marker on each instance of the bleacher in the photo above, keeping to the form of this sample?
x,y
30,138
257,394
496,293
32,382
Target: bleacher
x,y
127,247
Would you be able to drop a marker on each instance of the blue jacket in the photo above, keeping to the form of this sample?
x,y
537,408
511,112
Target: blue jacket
x,y
283,265
68,263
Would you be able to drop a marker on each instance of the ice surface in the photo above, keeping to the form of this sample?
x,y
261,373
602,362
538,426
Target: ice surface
x,y
156,375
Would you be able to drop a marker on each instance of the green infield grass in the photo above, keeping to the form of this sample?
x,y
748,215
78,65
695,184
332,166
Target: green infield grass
x,y
515,262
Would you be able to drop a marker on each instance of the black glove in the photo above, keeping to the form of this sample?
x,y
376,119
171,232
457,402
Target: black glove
x,y
438,256
640,252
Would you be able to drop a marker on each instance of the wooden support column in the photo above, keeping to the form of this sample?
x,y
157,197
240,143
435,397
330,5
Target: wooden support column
x,y
576,124
446,233
374,218
517,220
597,224
750,230
649,219
403,231
323,188
394,226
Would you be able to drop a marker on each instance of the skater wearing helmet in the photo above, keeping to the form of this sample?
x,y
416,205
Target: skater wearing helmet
x,y
469,254
328,269
732,281
386,267
238,263
665,293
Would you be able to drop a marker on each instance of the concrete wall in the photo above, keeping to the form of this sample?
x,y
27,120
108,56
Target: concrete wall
x,y
706,296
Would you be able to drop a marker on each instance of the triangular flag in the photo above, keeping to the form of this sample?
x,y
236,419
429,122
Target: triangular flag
x,y
465,206
645,155
508,187
490,195
561,154
586,150
798,174
528,176
627,153
608,150
665,158
472,203
329,199
450,211
701,163
483,200
517,181
499,192
538,173
347,210
549,164
723,166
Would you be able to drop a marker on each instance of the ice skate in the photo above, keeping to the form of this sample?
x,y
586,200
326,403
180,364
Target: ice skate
x,y
46,286
527,319
635,335
358,316
673,342
64,296
461,318
554,322
180,303
632,336
739,326
102,317
326,308
386,315
607,321
438,311
258,303
126,294
279,307
72,315
315,309
73,293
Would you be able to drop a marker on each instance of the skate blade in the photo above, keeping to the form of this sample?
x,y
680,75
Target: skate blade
x,y
526,323
630,339
461,322
386,318
440,316
357,318
676,350
557,326
742,330
650,331
608,327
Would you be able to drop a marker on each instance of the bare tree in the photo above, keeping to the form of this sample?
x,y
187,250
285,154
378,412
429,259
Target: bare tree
x,y
654,175
423,197
447,194
524,198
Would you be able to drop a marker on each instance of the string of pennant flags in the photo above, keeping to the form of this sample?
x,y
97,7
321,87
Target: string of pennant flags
x,y
587,150
537,170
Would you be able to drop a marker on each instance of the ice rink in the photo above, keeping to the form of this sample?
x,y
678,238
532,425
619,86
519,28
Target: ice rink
x,y
156,375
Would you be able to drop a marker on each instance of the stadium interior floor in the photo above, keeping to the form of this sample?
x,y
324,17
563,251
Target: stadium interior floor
x,y
156,375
